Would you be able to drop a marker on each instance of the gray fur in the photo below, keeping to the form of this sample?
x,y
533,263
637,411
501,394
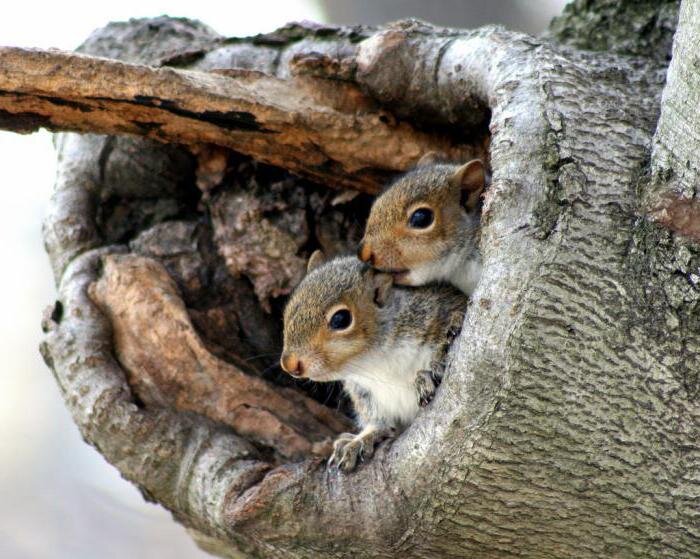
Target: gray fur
x,y
411,319
447,253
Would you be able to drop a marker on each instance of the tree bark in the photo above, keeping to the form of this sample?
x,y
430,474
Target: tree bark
x,y
673,190
636,27
567,424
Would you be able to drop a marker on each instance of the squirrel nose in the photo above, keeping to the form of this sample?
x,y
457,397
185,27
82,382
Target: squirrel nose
x,y
292,364
365,253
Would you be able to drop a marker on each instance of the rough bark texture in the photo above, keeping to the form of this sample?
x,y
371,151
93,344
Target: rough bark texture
x,y
332,133
567,424
674,192
636,27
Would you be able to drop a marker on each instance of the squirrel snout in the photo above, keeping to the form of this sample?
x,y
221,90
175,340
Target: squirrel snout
x,y
291,364
365,253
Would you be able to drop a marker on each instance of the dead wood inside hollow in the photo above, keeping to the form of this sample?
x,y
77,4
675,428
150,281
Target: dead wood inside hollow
x,y
168,365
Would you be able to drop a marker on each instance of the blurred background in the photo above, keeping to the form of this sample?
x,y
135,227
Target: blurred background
x,y
58,497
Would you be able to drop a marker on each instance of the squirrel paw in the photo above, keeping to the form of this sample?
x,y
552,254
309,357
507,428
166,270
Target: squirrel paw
x,y
349,449
426,384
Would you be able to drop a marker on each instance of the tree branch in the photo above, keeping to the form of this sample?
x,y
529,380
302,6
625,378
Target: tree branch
x,y
325,130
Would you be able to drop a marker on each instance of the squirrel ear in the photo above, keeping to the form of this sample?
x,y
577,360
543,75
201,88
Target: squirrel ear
x,y
470,178
315,260
429,158
382,287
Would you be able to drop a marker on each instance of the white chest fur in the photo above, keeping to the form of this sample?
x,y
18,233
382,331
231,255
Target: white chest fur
x,y
465,274
461,271
389,374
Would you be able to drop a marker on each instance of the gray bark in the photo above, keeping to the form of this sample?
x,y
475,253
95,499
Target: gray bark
x,y
637,27
672,194
567,424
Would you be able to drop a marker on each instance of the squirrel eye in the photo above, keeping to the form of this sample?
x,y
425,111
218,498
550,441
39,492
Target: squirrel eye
x,y
340,320
421,218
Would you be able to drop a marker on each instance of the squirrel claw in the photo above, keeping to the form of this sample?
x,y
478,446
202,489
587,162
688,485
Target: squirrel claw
x,y
426,384
338,444
349,450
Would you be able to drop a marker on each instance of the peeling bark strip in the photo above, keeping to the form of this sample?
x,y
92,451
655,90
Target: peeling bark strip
x,y
567,423
329,132
168,454
23,123
678,214
167,365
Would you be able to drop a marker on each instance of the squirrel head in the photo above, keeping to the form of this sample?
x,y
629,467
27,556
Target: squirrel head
x,y
332,316
421,217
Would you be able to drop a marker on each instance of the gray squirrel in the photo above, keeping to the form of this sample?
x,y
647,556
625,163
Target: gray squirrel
x,y
387,344
424,228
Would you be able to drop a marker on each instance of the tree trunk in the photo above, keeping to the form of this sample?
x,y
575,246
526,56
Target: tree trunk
x,y
567,424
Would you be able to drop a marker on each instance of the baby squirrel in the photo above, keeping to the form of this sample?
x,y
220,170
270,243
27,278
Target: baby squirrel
x,y
346,321
424,227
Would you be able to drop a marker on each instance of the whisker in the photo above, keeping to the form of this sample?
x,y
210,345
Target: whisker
x,y
276,353
329,394
270,368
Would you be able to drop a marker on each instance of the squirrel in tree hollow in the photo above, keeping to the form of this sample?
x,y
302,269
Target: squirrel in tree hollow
x,y
345,321
424,227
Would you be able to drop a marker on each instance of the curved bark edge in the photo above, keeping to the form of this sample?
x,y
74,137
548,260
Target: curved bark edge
x,y
182,461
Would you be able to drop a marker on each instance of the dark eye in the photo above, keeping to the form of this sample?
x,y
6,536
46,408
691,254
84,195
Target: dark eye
x,y
421,218
340,320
